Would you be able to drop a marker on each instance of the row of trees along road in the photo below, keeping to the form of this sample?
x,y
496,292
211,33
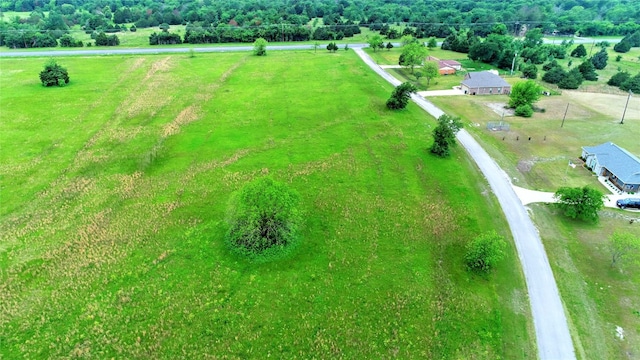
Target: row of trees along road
x,y
325,19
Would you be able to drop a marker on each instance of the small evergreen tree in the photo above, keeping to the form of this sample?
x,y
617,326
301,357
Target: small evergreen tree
x,y
550,65
599,60
530,71
619,78
631,84
588,71
389,46
555,75
622,47
54,74
579,51
572,80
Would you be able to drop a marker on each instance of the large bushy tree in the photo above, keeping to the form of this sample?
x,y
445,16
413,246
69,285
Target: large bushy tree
x,y
401,95
264,220
524,93
580,203
54,75
444,135
413,54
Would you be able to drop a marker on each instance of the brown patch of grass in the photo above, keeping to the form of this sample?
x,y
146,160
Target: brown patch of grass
x,y
160,65
153,92
186,116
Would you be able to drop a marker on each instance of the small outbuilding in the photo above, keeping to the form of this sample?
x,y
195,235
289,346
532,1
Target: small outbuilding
x,y
619,166
485,83
446,67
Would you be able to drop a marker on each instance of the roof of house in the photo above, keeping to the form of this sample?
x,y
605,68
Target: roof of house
x,y
617,160
450,63
483,79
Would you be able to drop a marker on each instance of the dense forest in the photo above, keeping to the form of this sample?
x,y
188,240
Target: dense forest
x,y
290,20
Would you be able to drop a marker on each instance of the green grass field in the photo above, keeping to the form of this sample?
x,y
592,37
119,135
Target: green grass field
x,y
114,191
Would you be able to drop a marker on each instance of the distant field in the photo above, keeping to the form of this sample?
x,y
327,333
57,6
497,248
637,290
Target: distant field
x,y
114,191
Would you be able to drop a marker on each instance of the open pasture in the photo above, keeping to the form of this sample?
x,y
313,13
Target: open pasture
x,y
114,191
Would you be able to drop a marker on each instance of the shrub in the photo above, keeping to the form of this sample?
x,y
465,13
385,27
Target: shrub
x,y
550,65
530,71
619,78
572,80
485,252
554,75
524,110
264,220
632,83
54,74
622,47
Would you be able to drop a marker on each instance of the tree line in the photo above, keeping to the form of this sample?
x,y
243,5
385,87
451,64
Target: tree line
x,y
425,18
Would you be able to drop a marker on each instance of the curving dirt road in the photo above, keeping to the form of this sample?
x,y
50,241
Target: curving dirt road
x,y
552,332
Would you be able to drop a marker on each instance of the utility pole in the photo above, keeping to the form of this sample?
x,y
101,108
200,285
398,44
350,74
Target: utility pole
x,y
565,115
513,63
625,108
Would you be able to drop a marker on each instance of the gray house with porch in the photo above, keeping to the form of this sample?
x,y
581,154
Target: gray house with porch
x,y
621,167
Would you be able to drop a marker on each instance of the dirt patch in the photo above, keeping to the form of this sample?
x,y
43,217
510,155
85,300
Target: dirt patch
x,y
524,166
186,116
499,108
607,104
153,93
161,65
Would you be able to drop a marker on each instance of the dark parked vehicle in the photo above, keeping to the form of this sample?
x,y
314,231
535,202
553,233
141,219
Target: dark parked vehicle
x,y
628,203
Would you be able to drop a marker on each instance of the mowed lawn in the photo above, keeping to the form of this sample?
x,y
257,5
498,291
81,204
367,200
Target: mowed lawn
x,y
113,198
